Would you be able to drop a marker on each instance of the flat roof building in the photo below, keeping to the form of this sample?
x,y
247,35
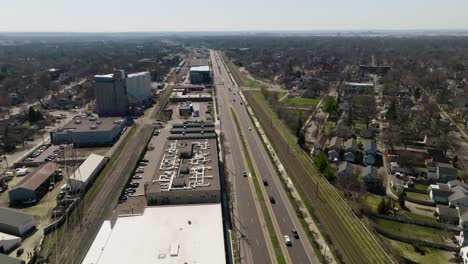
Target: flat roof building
x,y
85,131
33,187
8,242
15,222
87,172
164,235
200,74
111,94
188,173
4,259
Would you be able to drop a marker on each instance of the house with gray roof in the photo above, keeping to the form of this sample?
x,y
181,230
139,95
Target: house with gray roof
x,y
369,175
440,193
333,155
447,214
350,145
370,148
458,198
335,144
350,156
446,172
15,222
345,169
369,159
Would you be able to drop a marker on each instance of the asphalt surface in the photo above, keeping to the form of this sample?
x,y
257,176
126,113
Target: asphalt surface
x,y
301,250
253,248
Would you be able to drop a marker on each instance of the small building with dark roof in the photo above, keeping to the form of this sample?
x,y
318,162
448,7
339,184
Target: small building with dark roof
x,y
5,259
15,222
33,187
447,214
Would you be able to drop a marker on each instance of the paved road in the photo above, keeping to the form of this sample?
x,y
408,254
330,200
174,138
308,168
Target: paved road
x,y
253,248
301,250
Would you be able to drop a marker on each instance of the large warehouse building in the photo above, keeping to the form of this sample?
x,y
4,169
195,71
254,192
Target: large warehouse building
x,y
200,75
164,234
111,94
188,172
84,131
138,87
14,222
86,173
33,187
8,242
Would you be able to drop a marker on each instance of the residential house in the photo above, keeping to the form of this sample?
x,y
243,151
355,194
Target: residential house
x,y
458,198
370,148
447,214
345,169
369,175
369,160
350,149
456,184
440,193
350,156
350,145
335,144
446,172
319,144
463,223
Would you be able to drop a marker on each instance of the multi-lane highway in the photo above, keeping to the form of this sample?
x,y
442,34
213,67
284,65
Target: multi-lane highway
x,y
251,238
227,95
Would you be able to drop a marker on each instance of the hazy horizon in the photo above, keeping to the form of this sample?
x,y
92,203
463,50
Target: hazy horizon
x,y
142,16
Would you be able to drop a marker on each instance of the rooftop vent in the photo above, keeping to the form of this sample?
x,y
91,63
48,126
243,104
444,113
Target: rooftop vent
x,y
78,121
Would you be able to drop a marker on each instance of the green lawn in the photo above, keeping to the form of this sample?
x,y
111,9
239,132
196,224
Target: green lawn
x,y
420,186
329,126
417,216
252,83
300,102
372,201
431,255
413,231
418,196
359,125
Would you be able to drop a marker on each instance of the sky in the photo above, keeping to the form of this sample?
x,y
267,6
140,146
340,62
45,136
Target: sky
x,y
233,15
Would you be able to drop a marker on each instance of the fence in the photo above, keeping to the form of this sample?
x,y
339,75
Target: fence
x,y
421,202
413,221
415,242
51,227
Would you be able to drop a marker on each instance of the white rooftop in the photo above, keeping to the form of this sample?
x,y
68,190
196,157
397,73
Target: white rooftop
x,y
200,68
87,168
358,84
164,235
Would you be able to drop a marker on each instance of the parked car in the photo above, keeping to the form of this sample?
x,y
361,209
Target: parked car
x,y
265,182
137,177
142,164
139,170
123,198
144,160
130,190
244,174
134,184
287,240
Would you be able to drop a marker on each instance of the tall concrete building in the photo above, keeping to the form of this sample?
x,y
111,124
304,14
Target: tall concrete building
x,y
200,75
138,87
111,94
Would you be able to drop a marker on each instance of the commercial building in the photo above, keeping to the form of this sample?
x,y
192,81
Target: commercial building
x,y
200,74
164,235
111,94
4,259
188,172
138,87
178,96
8,242
14,222
85,131
87,172
33,187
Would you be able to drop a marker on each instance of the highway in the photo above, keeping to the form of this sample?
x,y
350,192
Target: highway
x,y
253,247
301,251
